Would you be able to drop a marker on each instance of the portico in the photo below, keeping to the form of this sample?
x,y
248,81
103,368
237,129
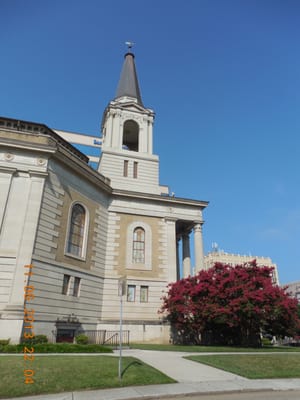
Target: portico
x,y
186,231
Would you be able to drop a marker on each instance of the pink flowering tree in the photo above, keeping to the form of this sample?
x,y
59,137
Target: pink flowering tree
x,y
229,305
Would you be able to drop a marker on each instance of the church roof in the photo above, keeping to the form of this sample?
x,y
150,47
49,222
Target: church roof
x,y
128,84
34,128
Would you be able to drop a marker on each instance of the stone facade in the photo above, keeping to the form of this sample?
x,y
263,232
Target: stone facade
x,y
233,259
294,289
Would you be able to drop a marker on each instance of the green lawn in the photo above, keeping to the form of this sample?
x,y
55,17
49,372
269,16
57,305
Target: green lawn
x,y
55,374
255,366
211,349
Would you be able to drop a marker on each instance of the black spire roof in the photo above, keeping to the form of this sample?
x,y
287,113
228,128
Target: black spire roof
x,y
128,83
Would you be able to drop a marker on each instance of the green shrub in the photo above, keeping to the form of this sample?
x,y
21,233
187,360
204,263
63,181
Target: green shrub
x,y
70,348
11,348
81,339
4,342
266,342
57,348
38,339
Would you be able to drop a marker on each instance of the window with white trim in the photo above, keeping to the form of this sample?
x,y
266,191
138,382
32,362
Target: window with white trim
x,y
139,246
76,240
66,284
138,251
76,287
144,294
131,293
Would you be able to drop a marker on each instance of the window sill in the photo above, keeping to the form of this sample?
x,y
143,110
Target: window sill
x,y
70,296
75,257
140,267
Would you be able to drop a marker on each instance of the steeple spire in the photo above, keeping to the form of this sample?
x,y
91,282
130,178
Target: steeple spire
x,y
128,84
127,157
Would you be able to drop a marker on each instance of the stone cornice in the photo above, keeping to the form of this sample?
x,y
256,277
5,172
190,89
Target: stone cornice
x,y
118,105
132,154
83,169
42,144
158,321
32,128
7,170
161,199
39,138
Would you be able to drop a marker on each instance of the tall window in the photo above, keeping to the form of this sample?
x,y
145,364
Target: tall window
x,y
76,230
135,169
139,246
138,253
144,294
125,168
76,287
66,284
131,293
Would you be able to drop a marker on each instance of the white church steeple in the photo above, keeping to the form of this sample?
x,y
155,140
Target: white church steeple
x,y
127,145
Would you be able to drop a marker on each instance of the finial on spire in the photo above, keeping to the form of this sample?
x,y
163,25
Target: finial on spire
x,y
129,45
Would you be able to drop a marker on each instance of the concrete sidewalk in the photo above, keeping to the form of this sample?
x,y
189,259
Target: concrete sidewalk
x,y
192,378
174,365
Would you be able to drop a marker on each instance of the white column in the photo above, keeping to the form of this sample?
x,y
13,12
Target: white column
x,y
171,249
150,138
198,245
186,255
6,175
177,259
142,140
15,211
108,133
32,191
117,131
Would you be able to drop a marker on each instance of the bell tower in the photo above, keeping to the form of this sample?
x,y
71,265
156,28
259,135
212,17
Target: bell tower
x,y
127,144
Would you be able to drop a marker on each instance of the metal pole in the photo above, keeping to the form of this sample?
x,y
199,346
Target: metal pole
x,y
121,331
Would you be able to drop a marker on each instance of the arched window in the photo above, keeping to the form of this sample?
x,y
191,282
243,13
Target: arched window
x,y
139,246
138,251
77,231
130,135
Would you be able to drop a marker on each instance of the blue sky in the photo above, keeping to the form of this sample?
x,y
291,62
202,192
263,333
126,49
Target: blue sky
x,y
222,77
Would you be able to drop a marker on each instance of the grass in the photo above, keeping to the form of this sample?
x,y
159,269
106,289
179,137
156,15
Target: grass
x,y
212,349
55,374
255,366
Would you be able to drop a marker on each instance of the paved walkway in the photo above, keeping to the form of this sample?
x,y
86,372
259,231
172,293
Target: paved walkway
x,y
192,378
174,365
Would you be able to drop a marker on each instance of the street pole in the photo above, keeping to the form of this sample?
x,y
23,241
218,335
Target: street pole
x,y
121,292
121,331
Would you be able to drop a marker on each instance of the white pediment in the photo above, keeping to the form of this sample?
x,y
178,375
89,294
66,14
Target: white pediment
x,y
128,104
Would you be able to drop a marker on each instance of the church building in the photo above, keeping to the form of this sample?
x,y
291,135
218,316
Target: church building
x,y
71,235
